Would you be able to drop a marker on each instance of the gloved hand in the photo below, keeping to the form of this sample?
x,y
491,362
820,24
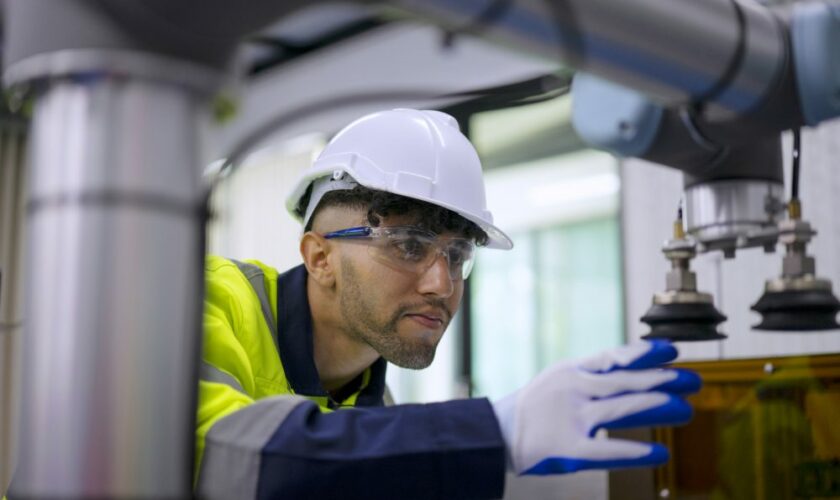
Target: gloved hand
x,y
549,425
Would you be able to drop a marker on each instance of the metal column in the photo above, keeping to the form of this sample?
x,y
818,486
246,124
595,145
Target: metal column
x,y
113,291
115,236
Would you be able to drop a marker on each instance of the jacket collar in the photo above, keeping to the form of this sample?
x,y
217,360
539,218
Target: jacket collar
x,y
294,332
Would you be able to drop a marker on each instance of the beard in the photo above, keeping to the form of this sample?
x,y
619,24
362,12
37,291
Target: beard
x,y
362,323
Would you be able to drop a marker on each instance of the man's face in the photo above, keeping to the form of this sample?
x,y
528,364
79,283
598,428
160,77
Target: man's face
x,y
401,314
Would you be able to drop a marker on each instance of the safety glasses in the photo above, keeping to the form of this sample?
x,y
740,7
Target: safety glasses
x,y
413,249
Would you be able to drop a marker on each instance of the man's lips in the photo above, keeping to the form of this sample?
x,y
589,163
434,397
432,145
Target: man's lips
x,y
427,320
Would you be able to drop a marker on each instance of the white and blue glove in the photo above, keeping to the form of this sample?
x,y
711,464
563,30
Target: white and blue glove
x,y
549,425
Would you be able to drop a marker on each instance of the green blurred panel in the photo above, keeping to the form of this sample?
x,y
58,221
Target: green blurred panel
x,y
504,318
580,290
556,295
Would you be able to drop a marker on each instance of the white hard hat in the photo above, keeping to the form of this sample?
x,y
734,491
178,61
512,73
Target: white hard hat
x,y
412,153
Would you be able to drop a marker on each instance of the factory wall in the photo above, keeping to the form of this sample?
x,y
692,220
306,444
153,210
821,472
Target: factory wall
x,y
249,219
650,196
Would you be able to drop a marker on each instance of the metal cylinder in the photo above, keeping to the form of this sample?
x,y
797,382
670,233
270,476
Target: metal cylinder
x,y
113,297
727,53
724,214
736,201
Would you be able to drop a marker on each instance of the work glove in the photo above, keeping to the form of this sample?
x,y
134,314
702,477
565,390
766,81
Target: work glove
x,y
549,425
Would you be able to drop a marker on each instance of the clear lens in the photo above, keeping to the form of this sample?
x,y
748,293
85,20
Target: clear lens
x,y
415,250
467,266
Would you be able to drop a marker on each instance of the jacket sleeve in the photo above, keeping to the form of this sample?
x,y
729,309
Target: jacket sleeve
x,y
226,382
285,447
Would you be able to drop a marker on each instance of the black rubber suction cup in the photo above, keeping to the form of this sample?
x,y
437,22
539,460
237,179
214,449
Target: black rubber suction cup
x,y
682,322
797,310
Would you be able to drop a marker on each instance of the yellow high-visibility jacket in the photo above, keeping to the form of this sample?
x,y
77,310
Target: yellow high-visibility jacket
x,y
241,362
265,428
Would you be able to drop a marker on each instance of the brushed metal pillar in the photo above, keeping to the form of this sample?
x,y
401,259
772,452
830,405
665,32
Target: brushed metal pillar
x,y
113,295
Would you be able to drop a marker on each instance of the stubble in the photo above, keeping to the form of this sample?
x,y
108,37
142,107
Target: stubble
x,y
362,323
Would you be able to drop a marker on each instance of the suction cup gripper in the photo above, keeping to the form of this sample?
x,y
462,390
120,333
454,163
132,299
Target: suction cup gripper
x,y
797,310
684,322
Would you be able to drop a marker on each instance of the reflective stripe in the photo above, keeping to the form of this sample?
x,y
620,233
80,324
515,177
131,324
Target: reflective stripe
x,y
210,373
256,278
233,450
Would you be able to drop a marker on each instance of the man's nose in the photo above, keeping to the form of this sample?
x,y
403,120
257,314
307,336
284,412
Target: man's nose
x,y
436,280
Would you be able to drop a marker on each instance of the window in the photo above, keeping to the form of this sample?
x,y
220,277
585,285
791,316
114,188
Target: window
x,y
558,293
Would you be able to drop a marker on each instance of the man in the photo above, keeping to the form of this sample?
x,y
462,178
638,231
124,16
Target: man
x,y
393,210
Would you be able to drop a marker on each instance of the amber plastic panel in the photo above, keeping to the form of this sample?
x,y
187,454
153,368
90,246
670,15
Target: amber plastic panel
x,y
763,429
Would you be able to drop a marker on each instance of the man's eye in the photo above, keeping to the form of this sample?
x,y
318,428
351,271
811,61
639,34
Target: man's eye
x,y
411,249
456,256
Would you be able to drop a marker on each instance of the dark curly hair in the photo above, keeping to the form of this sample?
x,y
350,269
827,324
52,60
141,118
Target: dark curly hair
x,y
381,204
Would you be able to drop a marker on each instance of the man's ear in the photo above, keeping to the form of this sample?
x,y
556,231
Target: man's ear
x,y
315,251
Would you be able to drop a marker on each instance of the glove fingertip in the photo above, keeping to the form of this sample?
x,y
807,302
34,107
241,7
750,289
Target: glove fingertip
x,y
675,411
686,382
659,454
661,352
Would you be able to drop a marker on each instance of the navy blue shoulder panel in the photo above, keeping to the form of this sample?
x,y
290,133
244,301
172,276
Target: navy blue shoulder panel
x,y
451,450
294,333
294,342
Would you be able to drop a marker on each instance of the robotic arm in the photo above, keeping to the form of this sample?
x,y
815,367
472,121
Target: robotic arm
x,y
734,192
